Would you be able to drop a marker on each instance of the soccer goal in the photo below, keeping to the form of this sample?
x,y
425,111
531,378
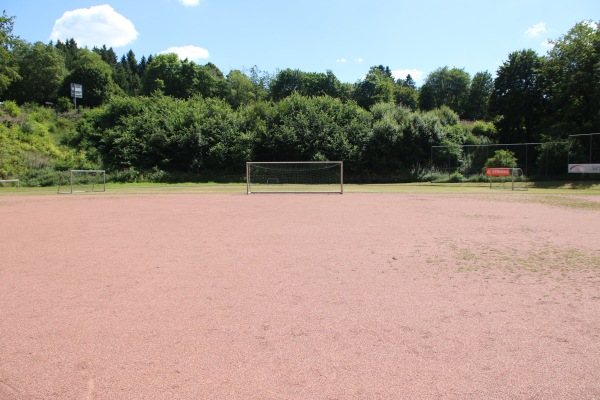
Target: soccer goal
x,y
295,177
82,180
6,182
507,178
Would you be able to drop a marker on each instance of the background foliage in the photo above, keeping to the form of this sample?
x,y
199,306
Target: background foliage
x,y
164,118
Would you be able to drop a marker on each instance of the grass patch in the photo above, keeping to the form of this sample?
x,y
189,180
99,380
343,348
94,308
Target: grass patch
x,y
571,200
542,261
547,188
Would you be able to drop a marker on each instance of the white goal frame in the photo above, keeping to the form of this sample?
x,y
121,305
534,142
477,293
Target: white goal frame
x,y
295,177
91,186
16,182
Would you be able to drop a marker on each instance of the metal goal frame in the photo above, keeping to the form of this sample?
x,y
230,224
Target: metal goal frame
x,y
16,182
507,178
69,183
280,180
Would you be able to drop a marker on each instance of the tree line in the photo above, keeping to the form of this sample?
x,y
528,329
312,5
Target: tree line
x,y
165,114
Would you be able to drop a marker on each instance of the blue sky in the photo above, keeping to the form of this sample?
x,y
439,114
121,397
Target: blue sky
x,y
347,37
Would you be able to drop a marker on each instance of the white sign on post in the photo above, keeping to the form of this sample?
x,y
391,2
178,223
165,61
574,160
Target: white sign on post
x,y
584,168
76,92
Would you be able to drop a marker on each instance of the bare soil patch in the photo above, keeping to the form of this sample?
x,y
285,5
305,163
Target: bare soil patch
x,y
360,296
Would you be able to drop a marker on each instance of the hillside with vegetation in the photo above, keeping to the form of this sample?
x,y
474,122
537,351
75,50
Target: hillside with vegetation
x,y
160,118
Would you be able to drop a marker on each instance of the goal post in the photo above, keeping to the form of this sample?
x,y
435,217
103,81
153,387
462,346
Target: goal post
x,y
82,180
295,177
507,178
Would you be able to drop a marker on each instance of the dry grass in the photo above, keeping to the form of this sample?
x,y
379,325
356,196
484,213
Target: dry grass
x,y
543,260
568,201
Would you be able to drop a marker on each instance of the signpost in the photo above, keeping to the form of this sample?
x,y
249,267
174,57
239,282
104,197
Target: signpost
x,y
76,92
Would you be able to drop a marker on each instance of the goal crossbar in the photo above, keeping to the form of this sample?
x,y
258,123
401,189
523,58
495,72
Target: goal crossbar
x,y
295,177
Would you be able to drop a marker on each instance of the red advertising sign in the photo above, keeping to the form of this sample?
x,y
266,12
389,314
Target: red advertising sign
x,y
497,171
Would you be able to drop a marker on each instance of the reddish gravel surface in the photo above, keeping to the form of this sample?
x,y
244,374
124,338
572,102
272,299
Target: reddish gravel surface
x,y
360,296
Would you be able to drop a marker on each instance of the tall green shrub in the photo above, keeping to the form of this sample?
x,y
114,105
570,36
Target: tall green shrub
x,y
502,159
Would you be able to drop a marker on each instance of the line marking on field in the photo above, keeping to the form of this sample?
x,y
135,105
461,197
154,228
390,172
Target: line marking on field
x,y
90,389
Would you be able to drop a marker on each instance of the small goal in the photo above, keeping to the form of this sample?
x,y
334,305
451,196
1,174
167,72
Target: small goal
x,y
295,177
507,178
7,182
82,180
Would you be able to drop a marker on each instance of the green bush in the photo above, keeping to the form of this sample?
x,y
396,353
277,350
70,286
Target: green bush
x,y
43,177
12,108
125,176
445,115
456,177
41,114
32,127
64,104
427,174
486,129
502,159
159,176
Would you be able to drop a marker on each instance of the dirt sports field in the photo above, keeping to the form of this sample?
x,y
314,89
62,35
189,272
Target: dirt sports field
x,y
354,296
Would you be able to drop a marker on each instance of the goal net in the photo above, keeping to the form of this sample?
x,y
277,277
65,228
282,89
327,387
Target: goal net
x,y
295,177
507,178
82,180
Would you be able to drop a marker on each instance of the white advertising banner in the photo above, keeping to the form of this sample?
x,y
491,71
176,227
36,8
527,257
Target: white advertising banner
x,y
584,168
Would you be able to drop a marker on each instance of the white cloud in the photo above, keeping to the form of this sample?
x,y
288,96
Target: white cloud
x,y
402,73
190,3
546,43
345,60
94,26
536,30
192,53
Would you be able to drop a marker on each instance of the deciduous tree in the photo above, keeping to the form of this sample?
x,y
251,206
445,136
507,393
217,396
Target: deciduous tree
x,y
445,87
478,99
572,74
241,89
9,69
289,81
377,87
94,75
164,74
517,97
43,70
